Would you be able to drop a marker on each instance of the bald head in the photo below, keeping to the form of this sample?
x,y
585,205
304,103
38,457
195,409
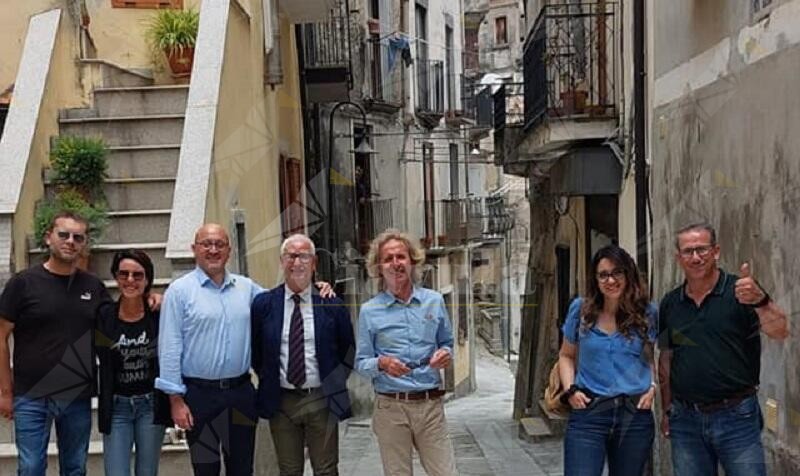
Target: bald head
x,y
210,228
211,250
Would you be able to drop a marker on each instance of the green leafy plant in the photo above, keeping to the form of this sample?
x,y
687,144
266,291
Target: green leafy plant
x,y
171,31
70,200
80,163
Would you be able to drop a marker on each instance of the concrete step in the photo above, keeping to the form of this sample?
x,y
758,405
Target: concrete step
x,y
143,161
135,101
133,194
139,194
103,254
557,423
534,430
127,130
137,226
111,75
174,460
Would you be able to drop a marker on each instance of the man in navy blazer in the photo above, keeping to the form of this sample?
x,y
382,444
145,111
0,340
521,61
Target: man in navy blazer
x,y
303,350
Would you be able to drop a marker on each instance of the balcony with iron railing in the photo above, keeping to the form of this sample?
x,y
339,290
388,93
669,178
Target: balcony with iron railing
x,y
462,221
509,118
570,63
383,77
326,53
374,217
430,96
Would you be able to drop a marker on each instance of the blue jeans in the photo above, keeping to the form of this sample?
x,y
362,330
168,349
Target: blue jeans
x,y
132,423
730,437
33,418
610,429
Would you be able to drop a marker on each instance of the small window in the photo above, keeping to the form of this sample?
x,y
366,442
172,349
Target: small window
x,y
147,4
500,31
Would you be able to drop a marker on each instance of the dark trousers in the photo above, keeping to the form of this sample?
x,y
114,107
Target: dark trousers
x,y
224,420
305,420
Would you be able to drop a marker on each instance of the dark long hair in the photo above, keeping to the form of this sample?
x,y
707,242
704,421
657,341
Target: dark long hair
x,y
633,303
140,257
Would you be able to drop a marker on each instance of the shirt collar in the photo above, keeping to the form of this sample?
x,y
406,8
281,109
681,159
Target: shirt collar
x,y
305,294
204,279
389,298
719,288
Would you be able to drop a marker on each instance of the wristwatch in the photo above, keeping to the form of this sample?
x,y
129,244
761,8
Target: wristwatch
x,y
570,392
764,301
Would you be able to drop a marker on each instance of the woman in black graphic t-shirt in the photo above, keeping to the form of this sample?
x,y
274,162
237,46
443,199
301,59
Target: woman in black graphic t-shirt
x,y
131,411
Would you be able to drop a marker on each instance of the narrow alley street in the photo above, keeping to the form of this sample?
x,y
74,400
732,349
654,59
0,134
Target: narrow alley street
x,y
483,433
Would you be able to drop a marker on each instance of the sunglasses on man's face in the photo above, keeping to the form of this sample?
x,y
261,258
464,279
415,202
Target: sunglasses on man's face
x,y
79,238
124,275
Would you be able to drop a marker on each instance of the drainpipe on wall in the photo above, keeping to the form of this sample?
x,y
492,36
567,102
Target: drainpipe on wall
x,y
273,73
639,131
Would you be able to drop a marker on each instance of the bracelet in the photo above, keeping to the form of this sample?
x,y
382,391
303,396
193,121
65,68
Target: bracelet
x,y
764,301
568,393
653,384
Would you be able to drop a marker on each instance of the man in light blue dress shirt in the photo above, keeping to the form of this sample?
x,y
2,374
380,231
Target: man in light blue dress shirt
x,y
204,358
404,340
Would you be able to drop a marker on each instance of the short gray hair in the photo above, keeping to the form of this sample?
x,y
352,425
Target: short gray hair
x,y
699,226
298,237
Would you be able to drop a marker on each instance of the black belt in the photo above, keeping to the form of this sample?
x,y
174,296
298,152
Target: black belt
x,y
725,403
301,391
220,384
424,395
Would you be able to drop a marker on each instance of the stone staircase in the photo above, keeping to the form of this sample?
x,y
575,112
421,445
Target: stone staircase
x,y
142,125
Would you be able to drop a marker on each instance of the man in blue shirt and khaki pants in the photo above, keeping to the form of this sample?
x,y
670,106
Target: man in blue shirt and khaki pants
x,y
404,340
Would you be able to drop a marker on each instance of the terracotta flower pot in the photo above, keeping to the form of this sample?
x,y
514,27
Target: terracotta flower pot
x,y
180,61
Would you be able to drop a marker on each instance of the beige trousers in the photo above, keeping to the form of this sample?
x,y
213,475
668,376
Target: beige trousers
x,y
420,424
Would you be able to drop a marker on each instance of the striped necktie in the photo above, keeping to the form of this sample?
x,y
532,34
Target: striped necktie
x,y
296,371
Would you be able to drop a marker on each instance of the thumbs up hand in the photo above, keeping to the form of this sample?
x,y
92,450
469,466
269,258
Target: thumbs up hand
x,y
747,289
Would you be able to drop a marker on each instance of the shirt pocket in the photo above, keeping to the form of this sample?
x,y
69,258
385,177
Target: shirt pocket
x,y
429,329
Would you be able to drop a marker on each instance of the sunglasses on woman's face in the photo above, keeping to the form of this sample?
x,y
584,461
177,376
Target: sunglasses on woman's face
x,y
124,275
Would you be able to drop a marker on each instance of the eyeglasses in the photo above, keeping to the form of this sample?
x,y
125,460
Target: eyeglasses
x,y
702,251
79,238
605,276
304,258
206,245
124,275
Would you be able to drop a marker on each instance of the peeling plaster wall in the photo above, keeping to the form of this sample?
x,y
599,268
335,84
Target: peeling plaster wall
x,y
726,150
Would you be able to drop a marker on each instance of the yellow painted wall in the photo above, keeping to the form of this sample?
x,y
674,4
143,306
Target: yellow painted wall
x,y
255,122
60,91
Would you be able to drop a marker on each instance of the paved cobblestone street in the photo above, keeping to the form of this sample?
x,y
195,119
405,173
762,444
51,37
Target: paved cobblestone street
x,y
483,433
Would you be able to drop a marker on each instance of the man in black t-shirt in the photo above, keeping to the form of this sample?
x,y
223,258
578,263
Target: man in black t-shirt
x,y
710,341
50,309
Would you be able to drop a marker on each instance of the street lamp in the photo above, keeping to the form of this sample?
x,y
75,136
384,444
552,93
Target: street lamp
x,y
363,148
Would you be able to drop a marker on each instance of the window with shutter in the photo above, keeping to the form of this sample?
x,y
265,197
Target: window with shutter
x,y
291,187
178,4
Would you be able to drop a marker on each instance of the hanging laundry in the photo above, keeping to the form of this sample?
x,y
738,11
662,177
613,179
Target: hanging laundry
x,y
399,43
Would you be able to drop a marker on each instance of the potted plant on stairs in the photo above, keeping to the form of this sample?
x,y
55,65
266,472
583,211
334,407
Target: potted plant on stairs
x,y
174,33
78,166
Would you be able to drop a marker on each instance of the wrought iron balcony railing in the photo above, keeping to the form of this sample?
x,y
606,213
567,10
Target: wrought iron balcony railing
x,y
570,61
326,50
462,221
430,86
509,111
383,80
476,101
375,217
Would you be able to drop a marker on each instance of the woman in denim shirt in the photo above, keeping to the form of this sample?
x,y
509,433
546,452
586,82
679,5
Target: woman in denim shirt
x,y
609,336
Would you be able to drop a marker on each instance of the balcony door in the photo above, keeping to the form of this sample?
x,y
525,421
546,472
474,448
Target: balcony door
x,y
423,81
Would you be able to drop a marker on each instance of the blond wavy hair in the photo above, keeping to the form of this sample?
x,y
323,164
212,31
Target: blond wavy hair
x,y
415,252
